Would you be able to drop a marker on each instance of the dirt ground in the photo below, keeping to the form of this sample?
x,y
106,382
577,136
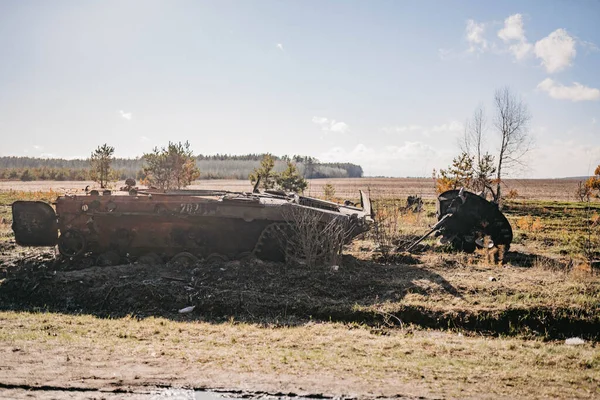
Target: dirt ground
x,y
427,290
115,331
433,324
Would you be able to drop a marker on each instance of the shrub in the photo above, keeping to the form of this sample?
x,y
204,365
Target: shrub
x,y
329,191
529,223
512,194
312,241
173,167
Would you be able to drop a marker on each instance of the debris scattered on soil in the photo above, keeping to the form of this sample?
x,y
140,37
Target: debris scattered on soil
x,y
358,291
574,341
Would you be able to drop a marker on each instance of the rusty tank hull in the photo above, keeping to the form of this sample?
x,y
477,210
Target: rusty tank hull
x,y
195,223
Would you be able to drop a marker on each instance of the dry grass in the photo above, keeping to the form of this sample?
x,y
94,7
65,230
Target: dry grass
x,y
345,188
541,273
555,228
367,363
528,223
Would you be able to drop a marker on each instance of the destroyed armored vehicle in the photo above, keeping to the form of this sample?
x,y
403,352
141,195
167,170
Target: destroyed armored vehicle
x,y
179,225
468,221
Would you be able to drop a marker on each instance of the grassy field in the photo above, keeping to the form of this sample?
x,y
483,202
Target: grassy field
x,y
433,324
311,358
345,188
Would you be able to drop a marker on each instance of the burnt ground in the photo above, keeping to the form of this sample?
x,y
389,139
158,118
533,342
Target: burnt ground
x,y
252,290
358,291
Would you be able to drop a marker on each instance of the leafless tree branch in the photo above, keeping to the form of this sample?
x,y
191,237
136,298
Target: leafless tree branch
x,y
511,121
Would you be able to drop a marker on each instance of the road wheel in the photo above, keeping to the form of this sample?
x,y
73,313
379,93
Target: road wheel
x,y
216,258
183,259
151,259
272,243
71,243
108,259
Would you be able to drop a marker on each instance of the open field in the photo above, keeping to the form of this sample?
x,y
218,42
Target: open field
x,y
433,324
528,189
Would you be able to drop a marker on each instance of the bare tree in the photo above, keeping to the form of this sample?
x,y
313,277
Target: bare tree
x,y
511,121
472,145
474,134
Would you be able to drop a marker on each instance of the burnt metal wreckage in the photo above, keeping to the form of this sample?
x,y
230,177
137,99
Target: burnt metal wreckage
x,y
468,221
152,226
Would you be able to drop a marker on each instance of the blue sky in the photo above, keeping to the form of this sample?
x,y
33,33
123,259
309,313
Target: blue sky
x,y
386,84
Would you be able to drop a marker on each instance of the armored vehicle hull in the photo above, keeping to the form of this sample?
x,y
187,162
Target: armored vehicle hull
x,y
189,223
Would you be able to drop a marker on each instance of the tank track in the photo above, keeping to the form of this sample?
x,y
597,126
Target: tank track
x,y
270,244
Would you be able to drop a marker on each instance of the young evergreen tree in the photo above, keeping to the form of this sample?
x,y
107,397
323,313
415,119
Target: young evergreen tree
x,y
171,167
265,173
290,179
459,174
100,163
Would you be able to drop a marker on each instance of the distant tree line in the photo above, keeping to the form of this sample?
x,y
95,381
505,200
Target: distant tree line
x,y
219,166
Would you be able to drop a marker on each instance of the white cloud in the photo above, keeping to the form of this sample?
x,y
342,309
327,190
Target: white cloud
x,y
35,146
339,127
125,115
279,46
452,126
594,121
520,50
513,31
331,125
513,28
556,50
474,33
576,92
589,46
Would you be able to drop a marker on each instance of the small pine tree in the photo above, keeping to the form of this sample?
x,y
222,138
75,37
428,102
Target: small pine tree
x,y
100,162
483,175
264,173
173,167
26,175
329,191
459,174
290,179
